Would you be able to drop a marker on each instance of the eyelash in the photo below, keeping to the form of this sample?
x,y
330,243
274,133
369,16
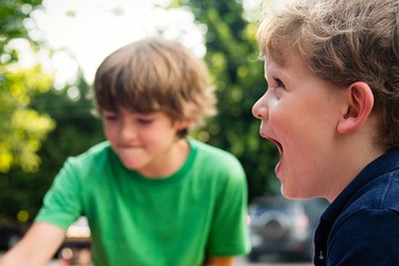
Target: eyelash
x,y
110,117
279,83
144,121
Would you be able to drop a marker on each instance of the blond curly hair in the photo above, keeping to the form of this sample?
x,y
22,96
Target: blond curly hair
x,y
342,42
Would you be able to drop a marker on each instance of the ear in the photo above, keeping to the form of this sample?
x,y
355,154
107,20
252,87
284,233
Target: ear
x,y
360,100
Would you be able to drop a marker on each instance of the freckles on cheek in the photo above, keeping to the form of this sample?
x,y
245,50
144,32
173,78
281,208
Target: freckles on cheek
x,y
281,127
286,131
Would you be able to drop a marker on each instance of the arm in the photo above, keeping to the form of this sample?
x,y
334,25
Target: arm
x,y
37,247
228,236
219,261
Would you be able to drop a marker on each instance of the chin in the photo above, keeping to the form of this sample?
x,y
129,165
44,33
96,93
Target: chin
x,y
289,194
131,165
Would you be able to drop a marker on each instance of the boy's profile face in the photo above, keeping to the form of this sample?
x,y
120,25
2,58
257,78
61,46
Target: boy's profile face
x,y
299,113
143,142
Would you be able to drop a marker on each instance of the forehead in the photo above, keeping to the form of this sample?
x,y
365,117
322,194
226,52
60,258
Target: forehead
x,y
287,58
285,55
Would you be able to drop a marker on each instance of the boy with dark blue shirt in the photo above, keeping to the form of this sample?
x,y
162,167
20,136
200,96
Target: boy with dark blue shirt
x,y
332,109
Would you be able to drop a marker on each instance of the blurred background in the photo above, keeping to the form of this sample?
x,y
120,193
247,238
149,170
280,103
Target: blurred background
x,y
49,52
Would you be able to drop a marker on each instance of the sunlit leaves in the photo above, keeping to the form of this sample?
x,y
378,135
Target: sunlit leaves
x,y
232,58
21,128
12,16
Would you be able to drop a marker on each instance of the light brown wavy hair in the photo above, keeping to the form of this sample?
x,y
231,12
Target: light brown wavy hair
x,y
155,75
342,41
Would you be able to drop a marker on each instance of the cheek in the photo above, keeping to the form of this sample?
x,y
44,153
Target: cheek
x,y
281,120
109,132
153,135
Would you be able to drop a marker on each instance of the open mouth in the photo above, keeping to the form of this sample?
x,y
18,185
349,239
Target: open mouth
x,y
278,144
279,147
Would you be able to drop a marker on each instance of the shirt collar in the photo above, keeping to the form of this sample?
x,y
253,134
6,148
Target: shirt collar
x,y
383,164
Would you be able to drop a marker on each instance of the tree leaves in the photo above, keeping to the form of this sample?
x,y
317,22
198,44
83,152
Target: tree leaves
x,y
22,129
232,58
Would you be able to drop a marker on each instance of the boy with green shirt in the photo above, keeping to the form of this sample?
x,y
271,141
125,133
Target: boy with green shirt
x,y
151,194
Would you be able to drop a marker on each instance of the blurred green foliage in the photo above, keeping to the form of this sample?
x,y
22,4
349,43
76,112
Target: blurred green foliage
x,y
13,14
232,58
77,129
39,125
22,129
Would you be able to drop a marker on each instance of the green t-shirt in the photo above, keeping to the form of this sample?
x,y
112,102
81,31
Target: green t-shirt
x,y
177,221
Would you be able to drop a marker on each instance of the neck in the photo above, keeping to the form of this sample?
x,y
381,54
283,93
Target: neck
x,y
170,162
353,157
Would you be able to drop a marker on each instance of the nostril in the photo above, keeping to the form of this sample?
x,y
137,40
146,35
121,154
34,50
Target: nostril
x,y
259,109
260,112
255,111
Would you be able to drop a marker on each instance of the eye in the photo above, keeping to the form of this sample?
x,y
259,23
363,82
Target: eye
x,y
145,121
110,116
279,83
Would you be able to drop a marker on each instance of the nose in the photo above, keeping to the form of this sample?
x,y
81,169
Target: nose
x,y
127,131
259,109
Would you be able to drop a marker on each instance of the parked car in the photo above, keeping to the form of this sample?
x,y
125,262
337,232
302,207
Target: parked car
x,y
279,226
9,235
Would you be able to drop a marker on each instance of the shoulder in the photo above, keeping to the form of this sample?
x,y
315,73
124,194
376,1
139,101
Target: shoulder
x,y
93,154
208,152
379,194
368,216
369,236
377,204
95,158
372,218
217,166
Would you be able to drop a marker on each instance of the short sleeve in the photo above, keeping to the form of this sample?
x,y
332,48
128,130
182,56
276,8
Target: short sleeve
x,y
62,203
229,231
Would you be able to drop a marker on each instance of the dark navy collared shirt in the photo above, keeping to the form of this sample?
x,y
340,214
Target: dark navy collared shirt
x,y
361,226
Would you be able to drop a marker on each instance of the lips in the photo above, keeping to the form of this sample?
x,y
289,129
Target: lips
x,y
278,144
280,150
277,169
128,145
279,147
